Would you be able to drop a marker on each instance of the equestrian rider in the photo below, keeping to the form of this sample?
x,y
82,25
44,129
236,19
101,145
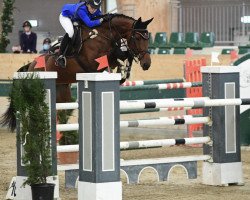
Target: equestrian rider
x,y
82,11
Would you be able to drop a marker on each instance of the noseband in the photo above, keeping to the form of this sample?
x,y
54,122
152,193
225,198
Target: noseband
x,y
138,53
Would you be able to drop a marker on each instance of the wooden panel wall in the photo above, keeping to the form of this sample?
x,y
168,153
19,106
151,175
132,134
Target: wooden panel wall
x,y
159,9
10,63
162,67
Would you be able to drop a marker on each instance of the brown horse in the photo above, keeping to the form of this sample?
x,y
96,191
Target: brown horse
x,y
103,40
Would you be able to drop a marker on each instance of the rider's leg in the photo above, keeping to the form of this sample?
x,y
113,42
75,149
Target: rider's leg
x,y
68,27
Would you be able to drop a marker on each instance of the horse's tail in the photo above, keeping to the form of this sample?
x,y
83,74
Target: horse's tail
x,y
9,118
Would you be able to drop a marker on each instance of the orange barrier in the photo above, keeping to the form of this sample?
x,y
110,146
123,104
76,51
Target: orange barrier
x,y
58,134
192,74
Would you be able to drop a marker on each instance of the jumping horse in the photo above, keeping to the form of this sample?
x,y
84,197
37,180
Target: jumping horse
x,y
116,30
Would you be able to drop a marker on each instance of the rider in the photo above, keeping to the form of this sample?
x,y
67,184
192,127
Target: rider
x,y
83,11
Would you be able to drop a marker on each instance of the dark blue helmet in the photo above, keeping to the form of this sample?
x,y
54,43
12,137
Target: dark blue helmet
x,y
94,3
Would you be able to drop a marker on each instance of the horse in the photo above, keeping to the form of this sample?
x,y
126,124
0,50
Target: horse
x,y
103,40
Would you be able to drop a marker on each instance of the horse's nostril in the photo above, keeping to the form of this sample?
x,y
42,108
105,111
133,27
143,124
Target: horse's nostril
x,y
146,66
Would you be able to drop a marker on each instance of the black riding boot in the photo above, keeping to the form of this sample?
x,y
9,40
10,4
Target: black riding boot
x,y
61,60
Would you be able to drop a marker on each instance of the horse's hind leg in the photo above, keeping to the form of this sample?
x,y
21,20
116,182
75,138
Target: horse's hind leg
x,y
63,93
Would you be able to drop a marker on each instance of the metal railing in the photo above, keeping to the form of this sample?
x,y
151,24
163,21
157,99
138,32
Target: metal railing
x,y
224,20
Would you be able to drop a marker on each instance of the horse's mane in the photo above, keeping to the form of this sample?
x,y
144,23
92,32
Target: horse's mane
x,y
121,16
111,16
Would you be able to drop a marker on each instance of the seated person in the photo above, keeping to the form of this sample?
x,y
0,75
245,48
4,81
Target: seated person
x,y
46,45
28,39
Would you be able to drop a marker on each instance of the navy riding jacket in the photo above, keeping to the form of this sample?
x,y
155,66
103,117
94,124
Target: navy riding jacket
x,y
28,42
79,12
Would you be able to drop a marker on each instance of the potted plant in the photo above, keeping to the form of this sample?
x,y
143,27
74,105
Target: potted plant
x,y
68,138
28,95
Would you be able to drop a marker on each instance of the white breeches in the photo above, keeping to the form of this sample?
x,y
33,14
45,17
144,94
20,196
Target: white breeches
x,y
67,25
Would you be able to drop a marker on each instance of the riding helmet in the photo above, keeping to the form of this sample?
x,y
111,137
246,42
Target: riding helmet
x,y
27,23
95,3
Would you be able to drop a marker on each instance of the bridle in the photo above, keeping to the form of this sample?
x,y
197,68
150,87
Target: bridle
x,y
136,53
144,34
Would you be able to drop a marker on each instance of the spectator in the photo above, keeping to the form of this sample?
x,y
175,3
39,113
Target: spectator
x,y
16,49
46,45
28,39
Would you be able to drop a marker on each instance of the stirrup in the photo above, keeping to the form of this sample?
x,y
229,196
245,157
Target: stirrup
x,y
61,61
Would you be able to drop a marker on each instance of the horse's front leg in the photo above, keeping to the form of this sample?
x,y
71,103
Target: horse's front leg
x,y
122,68
128,67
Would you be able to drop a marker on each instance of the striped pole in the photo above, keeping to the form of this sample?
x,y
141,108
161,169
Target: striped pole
x,y
69,106
165,121
171,120
167,86
133,111
150,82
173,117
193,103
163,143
146,144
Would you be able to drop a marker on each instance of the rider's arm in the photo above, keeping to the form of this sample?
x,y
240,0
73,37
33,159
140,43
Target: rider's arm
x,y
98,12
85,18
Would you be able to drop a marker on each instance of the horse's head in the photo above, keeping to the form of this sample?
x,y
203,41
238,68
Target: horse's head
x,y
139,41
112,32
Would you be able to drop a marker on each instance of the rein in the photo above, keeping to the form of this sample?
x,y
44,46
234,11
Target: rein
x,y
139,54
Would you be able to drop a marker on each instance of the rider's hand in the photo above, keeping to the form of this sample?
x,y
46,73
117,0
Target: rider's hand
x,y
106,17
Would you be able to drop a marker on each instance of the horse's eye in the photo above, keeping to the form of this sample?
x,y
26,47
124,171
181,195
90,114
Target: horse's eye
x,y
138,38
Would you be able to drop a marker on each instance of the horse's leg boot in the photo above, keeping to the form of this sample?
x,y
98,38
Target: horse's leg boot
x,y
61,60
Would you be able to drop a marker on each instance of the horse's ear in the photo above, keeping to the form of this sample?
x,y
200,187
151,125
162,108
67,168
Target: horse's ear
x,y
146,23
138,24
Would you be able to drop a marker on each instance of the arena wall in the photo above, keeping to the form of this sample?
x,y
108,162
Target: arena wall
x,y
162,67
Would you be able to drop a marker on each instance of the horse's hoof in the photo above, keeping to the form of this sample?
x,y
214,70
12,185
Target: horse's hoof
x,y
122,81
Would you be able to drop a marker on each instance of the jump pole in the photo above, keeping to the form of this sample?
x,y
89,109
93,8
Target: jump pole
x,y
99,137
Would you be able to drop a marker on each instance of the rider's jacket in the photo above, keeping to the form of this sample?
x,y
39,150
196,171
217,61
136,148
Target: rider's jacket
x,y
28,42
79,12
